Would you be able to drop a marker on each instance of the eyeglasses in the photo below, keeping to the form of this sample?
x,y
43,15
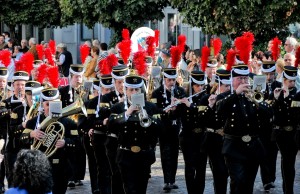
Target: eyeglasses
x,y
287,59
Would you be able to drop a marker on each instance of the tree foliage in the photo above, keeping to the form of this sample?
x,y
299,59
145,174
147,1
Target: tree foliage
x,y
114,14
265,18
41,13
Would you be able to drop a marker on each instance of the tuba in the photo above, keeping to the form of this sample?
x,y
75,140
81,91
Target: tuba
x,y
55,130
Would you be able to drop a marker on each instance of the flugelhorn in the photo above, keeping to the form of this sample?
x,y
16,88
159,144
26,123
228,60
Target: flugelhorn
x,y
145,121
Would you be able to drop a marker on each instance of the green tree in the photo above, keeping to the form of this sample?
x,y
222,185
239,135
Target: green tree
x,y
265,18
114,14
41,13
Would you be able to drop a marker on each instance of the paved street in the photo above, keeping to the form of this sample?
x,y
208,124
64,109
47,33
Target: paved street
x,y
156,182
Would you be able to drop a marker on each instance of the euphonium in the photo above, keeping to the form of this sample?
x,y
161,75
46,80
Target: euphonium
x,y
56,130
145,121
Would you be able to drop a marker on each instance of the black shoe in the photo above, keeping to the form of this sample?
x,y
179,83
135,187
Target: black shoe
x,y
71,184
2,190
78,183
167,187
173,186
97,191
269,186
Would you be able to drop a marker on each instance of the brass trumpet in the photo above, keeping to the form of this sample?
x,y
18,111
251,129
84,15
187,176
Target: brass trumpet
x,y
255,95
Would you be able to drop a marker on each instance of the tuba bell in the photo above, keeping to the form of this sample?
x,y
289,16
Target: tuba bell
x,y
55,130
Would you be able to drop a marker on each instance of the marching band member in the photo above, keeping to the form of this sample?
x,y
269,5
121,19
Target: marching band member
x,y
4,93
18,120
34,132
70,94
136,142
191,136
213,137
242,148
118,74
286,111
268,168
98,114
168,139
19,81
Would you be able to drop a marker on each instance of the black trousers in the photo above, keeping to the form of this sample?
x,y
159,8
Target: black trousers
x,y
169,148
91,162
103,168
242,174
111,145
214,144
9,159
288,150
268,165
195,162
59,175
135,168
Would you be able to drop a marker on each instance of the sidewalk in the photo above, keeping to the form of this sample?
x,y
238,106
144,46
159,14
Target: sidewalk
x,y
156,182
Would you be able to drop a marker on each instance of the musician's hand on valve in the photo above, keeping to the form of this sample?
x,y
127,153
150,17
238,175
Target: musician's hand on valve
x,y
185,101
212,100
60,143
242,88
37,134
277,93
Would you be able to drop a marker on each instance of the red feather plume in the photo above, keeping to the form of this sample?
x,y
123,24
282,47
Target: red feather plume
x,y
125,50
125,34
217,44
156,36
150,41
5,57
181,41
48,56
204,57
139,62
40,51
244,46
276,43
84,52
230,59
106,65
297,61
25,63
175,52
52,46
42,72
53,76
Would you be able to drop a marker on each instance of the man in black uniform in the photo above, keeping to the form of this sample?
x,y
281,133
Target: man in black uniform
x,y
34,131
97,130
168,138
137,137
192,134
213,137
268,167
4,116
18,121
242,147
19,80
70,94
286,120
118,73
